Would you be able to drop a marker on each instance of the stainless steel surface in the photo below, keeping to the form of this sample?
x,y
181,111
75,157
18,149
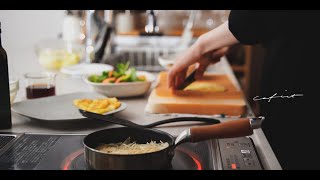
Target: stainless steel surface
x,y
89,41
183,137
256,122
99,33
217,163
187,35
105,37
191,19
142,57
109,16
143,52
151,26
134,112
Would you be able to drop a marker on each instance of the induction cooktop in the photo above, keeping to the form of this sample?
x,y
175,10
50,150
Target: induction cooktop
x,y
30,151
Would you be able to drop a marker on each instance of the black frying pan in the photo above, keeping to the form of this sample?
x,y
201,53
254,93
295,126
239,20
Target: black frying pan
x,y
160,159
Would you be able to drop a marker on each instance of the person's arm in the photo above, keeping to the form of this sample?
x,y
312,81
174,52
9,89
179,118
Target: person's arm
x,y
208,47
216,39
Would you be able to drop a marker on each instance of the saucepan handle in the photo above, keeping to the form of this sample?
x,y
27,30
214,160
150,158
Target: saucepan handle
x,y
229,129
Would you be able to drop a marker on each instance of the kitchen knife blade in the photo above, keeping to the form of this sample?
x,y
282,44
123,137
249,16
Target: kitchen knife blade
x,y
190,79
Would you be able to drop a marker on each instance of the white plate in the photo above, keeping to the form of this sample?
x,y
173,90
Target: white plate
x,y
85,69
56,108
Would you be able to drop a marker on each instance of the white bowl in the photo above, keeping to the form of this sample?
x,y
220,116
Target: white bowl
x,y
124,89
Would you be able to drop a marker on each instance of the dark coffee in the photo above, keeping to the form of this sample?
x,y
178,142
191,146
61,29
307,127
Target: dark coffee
x,y
40,90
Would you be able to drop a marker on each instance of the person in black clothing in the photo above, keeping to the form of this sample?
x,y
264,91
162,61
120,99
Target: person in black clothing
x,y
291,39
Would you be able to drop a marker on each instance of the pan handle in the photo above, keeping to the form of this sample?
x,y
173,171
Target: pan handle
x,y
229,129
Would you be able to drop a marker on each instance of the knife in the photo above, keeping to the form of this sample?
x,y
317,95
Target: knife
x,y
190,79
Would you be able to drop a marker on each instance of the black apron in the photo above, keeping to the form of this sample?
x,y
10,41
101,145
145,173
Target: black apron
x,y
291,39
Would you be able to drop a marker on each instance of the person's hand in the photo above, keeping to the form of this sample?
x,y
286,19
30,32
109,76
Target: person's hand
x,y
177,73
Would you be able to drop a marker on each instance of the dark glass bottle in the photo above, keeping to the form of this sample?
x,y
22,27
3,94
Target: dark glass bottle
x,y
5,108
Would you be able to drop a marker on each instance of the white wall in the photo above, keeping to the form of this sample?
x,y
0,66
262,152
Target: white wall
x,y
21,30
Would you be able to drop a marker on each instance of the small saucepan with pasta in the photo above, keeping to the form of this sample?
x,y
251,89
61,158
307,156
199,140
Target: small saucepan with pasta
x,y
131,148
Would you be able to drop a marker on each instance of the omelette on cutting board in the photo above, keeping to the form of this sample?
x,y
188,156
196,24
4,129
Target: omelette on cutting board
x,y
209,87
213,94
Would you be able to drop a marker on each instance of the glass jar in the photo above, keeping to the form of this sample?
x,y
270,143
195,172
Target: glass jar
x,y
40,84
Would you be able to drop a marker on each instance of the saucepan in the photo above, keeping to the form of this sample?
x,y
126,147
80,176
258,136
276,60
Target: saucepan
x,y
99,160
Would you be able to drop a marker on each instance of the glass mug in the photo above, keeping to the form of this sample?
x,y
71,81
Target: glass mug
x,y
40,84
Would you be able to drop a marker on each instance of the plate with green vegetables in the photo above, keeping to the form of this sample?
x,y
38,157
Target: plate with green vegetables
x,y
123,81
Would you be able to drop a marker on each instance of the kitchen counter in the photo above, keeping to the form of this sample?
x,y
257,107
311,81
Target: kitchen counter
x,y
134,112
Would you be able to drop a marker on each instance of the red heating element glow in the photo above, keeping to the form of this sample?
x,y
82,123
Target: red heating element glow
x,y
199,167
193,157
69,159
66,163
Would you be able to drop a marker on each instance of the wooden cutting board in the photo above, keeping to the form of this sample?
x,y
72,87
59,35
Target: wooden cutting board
x,y
229,102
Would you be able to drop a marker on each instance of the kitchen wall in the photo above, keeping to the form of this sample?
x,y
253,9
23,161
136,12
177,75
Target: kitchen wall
x,y
21,30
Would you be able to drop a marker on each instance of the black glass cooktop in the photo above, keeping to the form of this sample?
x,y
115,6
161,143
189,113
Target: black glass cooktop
x,y
65,152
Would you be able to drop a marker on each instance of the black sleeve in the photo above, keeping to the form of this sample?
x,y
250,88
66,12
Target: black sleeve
x,y
246,26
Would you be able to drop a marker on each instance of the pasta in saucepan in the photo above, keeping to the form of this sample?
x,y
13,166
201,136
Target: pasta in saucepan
x,y
132,148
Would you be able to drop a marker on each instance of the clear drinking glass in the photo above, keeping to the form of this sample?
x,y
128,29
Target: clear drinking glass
x,y
14,87
41,84
13,81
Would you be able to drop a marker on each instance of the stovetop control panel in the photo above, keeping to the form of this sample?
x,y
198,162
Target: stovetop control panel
x,y
239,154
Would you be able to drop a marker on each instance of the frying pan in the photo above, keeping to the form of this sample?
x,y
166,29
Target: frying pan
x,y
160,159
